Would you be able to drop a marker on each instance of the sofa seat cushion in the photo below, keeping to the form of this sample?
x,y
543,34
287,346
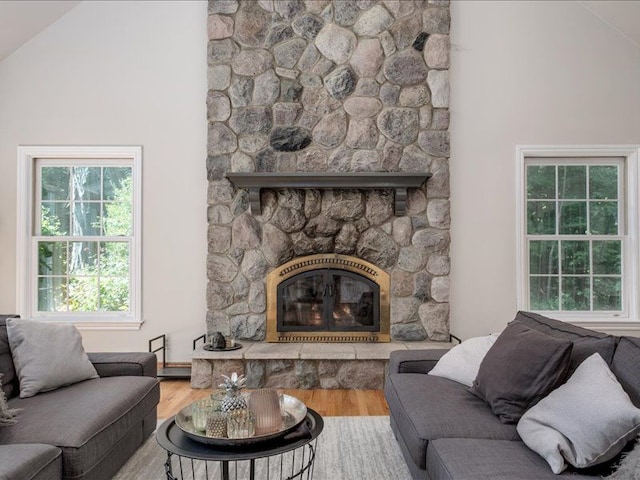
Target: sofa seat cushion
x,y
85,420
479,459
32,461
426,407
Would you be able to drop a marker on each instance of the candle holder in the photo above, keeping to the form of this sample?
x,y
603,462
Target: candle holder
x,y
200,410
241,424
265,403
217,425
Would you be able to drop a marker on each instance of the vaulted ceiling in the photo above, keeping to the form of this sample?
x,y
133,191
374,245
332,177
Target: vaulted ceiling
x,y
20,21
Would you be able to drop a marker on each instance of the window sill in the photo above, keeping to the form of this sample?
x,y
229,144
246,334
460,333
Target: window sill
x,y
596,322
612,325
113,325
92,325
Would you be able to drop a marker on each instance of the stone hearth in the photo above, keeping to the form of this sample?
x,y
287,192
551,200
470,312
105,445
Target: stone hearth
x,y
353,366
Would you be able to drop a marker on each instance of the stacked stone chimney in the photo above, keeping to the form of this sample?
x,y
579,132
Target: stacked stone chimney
x,y
329,86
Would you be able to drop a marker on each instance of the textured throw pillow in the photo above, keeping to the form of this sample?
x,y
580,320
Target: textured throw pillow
x,y
462,362
7,415
585,422
629,467
47,356
521,367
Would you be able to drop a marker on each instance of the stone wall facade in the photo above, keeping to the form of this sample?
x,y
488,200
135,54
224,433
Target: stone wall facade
x,y
294,374
328,86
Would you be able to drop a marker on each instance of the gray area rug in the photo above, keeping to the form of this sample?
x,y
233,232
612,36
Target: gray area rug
x,y
348,448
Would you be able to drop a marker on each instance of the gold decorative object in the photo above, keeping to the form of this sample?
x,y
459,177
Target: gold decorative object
x,y
217,425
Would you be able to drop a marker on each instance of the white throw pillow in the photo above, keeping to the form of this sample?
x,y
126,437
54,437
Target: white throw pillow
x,y
462,362
586,421
47,356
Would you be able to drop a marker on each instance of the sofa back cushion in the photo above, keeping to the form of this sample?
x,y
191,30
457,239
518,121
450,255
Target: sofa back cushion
x,y
625,366
585,342
9,379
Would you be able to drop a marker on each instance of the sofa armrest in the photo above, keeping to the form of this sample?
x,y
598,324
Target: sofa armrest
x,y
115,364
414,361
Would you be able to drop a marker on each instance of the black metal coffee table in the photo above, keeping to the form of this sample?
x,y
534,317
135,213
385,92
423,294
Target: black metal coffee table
x,y
289,457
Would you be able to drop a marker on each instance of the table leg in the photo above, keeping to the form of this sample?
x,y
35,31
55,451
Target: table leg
x,y
252,469
167,467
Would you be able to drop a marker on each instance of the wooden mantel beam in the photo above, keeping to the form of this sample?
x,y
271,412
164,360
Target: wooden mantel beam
x,y
397,181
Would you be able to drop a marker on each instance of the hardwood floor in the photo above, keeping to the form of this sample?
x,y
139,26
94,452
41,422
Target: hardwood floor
x,y
176,394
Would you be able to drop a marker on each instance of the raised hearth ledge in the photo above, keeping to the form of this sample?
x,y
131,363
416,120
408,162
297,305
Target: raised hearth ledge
x,y
398,181
334,365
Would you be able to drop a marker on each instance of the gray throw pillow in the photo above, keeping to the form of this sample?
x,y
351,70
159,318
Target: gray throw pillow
x,y
47,356
585,422
521,367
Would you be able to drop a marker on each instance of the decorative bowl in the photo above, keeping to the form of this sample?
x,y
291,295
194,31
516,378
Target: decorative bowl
x,y
293,413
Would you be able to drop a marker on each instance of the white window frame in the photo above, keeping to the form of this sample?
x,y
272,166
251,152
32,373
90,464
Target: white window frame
x,y
26,235
628,318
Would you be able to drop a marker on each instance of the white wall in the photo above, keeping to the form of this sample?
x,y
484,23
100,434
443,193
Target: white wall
x,y
134,73
122,73
528,73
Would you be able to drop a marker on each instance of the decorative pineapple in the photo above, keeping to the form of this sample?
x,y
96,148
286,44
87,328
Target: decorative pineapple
x,y
233,400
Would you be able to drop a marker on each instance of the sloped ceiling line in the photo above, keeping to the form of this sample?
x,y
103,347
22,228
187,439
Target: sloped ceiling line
x,y
621,16
20,21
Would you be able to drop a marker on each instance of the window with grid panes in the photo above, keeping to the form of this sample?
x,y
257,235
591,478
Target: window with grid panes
x,y
575,235
83,234
85,226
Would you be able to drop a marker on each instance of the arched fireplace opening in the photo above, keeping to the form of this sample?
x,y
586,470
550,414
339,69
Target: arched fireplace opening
x,y
328,298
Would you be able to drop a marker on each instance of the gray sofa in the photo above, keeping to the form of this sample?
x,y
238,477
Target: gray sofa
x,y
85,431
447,433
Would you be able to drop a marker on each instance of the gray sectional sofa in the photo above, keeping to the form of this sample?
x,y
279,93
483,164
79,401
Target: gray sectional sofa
x,y
447,433
85,431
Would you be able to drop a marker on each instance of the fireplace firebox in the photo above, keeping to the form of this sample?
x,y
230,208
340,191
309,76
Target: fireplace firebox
x,y
328,298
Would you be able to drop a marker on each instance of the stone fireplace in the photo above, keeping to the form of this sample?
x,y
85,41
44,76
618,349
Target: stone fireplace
x,y
319,86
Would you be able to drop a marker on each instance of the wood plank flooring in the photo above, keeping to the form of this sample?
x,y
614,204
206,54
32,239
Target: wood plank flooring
x,y
176,394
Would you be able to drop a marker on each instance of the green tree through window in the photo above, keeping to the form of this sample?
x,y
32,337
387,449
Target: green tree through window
x,y
84,247
574,238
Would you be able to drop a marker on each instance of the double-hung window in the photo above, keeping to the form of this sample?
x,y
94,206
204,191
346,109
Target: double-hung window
x,y
578,234
80,235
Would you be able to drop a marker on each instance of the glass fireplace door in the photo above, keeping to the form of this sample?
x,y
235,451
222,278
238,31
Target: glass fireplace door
x,y
328,300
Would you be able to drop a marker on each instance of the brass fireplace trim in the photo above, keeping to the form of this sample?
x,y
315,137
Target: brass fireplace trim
x,y
328,260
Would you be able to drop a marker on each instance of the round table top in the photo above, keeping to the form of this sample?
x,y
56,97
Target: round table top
x,y
174,440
